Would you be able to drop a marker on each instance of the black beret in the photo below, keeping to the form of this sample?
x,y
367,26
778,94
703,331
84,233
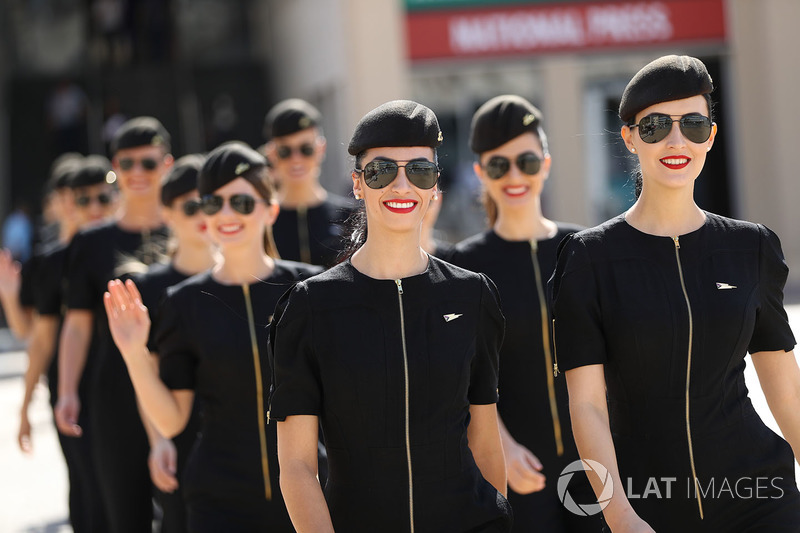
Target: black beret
x,y
94,169
290,116
181,179
501,119
667,78
396,123
140,131
62,168
225,163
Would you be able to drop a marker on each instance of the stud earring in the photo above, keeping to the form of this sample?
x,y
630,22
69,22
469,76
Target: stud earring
x,y
633,150
358,196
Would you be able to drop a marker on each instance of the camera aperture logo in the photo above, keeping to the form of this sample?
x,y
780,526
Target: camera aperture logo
x,y
588,466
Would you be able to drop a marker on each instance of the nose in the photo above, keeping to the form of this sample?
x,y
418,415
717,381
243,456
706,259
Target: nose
x,y
401,184
675,137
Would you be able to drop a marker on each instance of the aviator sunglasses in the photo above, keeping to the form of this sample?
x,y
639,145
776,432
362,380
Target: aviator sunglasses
x,y
285,152
379,173
655,128
148,163
527,162
85,200
241,203
191,207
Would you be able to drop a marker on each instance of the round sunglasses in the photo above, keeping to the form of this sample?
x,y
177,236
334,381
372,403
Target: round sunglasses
x,y
379,173
191,207
527,162
241,203
655,128
148,163
285,152
84,200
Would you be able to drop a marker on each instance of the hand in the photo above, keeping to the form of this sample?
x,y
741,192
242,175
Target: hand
x,y
128,318
523,469
631,523
67,410
163,462
10,277
24,433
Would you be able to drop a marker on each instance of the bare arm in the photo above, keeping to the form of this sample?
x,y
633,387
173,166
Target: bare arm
x,y
483,436
129,322
523,468
779,376
587,406
40,354
76,334
297,456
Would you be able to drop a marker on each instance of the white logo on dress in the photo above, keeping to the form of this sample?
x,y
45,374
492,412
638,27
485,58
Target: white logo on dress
x,y
451,316
722,286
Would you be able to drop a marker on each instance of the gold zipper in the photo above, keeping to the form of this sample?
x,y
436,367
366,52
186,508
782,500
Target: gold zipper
x,y
550,369
399,284
262,435
303,237
688,376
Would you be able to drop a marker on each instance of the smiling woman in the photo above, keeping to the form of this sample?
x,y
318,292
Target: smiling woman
x,y
394,353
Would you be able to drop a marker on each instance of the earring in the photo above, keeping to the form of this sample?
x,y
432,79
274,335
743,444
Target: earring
x,y
633,150
435,196
358,196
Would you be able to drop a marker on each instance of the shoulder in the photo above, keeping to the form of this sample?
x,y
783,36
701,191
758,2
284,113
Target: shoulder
x,y
102,232
475,242
733,232
458,279
191,286
294,270
566,228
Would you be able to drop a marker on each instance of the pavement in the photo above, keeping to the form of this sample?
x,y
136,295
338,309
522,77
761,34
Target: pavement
x,y
33,488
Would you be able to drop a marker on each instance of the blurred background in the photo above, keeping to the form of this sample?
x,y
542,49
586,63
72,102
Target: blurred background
x,y
73,70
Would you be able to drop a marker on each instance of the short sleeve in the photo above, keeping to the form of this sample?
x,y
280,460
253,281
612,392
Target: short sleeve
x,y
489,339
81,293
772,331
577,324
177,359
28,281
296,385
48,292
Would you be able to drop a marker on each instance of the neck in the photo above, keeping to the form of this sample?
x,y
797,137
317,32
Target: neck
x,y
427,241
243,266
666,213
392,256
523,224
303,194
139,215
193,259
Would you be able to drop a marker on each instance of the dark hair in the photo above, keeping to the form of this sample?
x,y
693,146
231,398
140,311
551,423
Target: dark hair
x,y
355,234
259,178
489,205
636,173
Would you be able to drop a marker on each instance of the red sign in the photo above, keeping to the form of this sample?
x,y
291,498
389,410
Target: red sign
x,y
491,32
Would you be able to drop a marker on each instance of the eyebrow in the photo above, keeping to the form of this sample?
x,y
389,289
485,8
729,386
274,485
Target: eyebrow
x,y
384,158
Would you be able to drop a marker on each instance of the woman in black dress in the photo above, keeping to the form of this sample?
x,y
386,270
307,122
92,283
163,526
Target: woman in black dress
x,y
518,253
655,311
394,352
211,341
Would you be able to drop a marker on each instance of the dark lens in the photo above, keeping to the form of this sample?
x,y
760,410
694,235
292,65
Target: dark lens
x,y
82,201
243,203
104,199
529,163
497,167
149,164
378,174
654,128
211,204
696,128
307,150
284,152
422,174
126,164
191,207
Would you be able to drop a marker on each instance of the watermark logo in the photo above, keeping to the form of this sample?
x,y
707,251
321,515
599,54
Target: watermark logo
x,y
588,466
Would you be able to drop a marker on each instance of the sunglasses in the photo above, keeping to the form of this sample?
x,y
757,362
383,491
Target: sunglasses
x,y
149,164
655,128
84,201
241,203
379,173
285,152
498,165
191,207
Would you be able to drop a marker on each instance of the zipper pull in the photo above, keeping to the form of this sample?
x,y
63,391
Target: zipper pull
x,y
534,245
268,419
677,244
556,371
399,283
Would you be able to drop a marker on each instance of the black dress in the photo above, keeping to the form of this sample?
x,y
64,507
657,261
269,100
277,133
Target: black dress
x,y
385,363
119,442
672,320
152,286
533,403
86,513
204,338
312,235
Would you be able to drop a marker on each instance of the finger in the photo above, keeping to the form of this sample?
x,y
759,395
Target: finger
x,y
116,297
124,290
533,461
133,290
25,444
111,310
